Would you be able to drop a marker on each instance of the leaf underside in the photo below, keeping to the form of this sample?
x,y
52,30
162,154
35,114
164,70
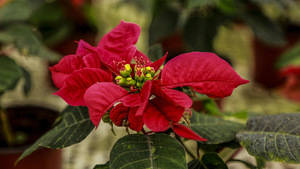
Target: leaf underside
x,y
273,137
74,126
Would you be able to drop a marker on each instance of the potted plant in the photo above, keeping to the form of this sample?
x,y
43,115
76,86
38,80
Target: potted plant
x,y
117,84
23,124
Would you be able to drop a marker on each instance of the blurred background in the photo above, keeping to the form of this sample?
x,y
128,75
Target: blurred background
x,y
259,38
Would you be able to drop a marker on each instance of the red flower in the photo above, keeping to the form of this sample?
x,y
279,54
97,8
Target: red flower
x,y
291,87
142,92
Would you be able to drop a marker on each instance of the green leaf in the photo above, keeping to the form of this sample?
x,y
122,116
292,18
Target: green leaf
x,y
261,163
290,57
246,163
155,52
227,6
15,10
27,83
195,164
213,161
27,41
217,147
273,137
215,130
10,73
264,28
74,126
200,31
142,151
208,161
201,3
163,23
102,166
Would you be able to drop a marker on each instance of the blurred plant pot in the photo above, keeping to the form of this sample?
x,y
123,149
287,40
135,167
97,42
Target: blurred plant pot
x,y
42,158
33,121
265,57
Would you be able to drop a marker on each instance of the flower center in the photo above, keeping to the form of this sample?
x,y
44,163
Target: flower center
x,y
134,75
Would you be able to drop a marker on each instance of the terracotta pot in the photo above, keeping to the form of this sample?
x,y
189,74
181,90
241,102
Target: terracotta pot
x,y
265,57
40,159
34,121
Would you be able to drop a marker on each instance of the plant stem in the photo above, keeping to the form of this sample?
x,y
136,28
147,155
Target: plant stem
x,y
6,128
186,149
234,154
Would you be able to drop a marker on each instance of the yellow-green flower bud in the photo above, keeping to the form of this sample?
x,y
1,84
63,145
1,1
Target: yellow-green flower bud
x,y
148,68
120,80
128,67
126,71
139,84
130,81
148,76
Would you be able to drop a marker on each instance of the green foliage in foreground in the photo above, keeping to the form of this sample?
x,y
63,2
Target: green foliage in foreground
x,y
273,137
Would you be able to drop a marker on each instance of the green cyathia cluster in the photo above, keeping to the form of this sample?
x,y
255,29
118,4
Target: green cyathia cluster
x,y
137,79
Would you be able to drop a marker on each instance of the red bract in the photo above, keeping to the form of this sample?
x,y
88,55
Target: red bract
x,y
292,86
116,77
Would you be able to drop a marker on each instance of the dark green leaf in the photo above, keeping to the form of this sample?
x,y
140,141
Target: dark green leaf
x,y
16,10
265,29
195,164
200,31
246,163
10,73
273,137
217,147
290,57
261,163
155,52
55,27
102,166
26,40
74,126
156,151
27,83
164,22
213,161
201,3
227,6
215,130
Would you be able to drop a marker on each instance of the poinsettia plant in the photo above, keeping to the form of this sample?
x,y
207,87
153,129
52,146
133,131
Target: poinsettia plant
x,y
118,84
